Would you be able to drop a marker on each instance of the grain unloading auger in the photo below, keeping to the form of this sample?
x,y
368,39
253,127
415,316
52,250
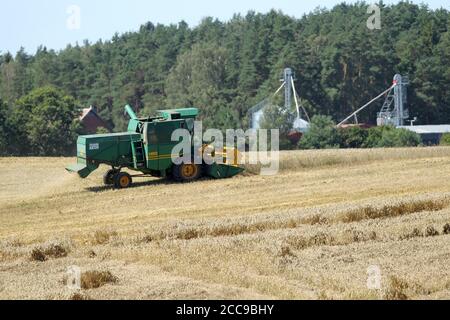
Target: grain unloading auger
x,y
146,148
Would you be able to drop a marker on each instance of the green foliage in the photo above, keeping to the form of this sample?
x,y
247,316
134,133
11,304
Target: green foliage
x,y
353,137
374,136
445,139
322,134
230,66
3,128
225,68
198,80
407,138
44,123
389,137
399,138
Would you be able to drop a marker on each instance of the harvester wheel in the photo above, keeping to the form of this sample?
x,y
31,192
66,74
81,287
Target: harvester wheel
x,y
187,172
122,180
108,177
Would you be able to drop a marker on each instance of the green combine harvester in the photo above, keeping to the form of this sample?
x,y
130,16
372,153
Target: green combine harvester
x,y
146,148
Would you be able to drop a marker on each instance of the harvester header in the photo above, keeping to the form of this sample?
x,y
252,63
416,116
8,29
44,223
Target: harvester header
x,y
146,148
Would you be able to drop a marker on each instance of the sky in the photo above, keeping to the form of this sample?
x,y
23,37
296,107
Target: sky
x,y
56,23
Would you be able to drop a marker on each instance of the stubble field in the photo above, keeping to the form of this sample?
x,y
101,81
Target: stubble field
x,y
320,229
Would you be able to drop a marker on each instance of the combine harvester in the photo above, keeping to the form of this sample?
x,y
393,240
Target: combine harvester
x,y
146,148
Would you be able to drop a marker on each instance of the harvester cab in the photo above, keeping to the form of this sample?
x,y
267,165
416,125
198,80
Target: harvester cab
x,y
146,148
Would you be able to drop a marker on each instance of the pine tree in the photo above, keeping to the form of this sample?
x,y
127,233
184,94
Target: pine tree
x,y
4,129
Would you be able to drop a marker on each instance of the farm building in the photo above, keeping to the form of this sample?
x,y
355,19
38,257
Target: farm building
x,y
430,134
92,121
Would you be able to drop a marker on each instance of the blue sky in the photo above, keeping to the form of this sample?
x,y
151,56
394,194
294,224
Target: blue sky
x,y
29,23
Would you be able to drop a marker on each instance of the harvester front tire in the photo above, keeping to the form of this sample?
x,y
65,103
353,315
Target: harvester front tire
x,y
122,180
108,177
187,172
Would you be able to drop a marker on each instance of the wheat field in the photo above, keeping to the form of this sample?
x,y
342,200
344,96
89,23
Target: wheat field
x,y
313,231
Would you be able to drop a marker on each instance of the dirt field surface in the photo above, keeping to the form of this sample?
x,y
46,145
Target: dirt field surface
x,y
327,226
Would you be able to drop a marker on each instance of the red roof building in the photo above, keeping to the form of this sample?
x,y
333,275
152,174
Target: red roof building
x,y
91,121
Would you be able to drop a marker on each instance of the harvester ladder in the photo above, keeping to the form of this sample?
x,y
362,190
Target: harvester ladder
x,y
139,156
388,102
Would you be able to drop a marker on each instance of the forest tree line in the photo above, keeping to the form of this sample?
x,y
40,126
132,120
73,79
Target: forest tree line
x,y
225,68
